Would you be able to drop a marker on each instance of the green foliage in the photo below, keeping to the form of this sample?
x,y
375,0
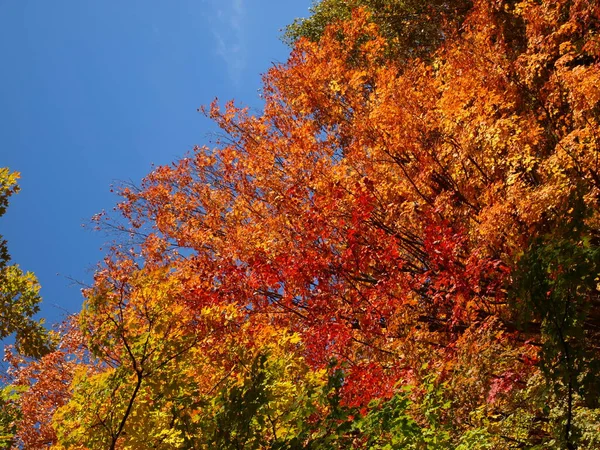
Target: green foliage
x,y
336,428
389,425
404,423
9,414
240,421
558,280
265,409
19,291
413,28
557,285
587,425
8,187
19,300
412,419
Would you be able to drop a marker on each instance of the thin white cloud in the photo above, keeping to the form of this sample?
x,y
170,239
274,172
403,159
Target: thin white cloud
x,y
228,31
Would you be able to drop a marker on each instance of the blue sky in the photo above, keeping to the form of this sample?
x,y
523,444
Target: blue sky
x,y
93,92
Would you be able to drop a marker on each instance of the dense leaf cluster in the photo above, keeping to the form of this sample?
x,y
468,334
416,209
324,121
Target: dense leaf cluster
x,y
401,251
19,291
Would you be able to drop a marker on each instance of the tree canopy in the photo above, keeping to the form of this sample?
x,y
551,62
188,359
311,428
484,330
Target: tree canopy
x,y
19,291
398,252
412,28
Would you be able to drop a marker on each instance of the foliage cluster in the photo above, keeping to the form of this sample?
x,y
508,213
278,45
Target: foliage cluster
x,y
19,291
401,251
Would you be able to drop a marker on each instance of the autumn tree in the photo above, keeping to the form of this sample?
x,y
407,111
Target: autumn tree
x,y
38,387
139,369
383,209
19,302
419,232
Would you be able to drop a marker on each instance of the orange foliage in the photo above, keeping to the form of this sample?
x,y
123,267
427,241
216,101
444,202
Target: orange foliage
x,y
377,208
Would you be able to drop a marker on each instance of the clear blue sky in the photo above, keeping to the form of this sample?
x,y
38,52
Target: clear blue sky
x,y
93,92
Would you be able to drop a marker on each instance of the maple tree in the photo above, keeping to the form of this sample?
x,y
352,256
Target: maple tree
x,y
397,253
